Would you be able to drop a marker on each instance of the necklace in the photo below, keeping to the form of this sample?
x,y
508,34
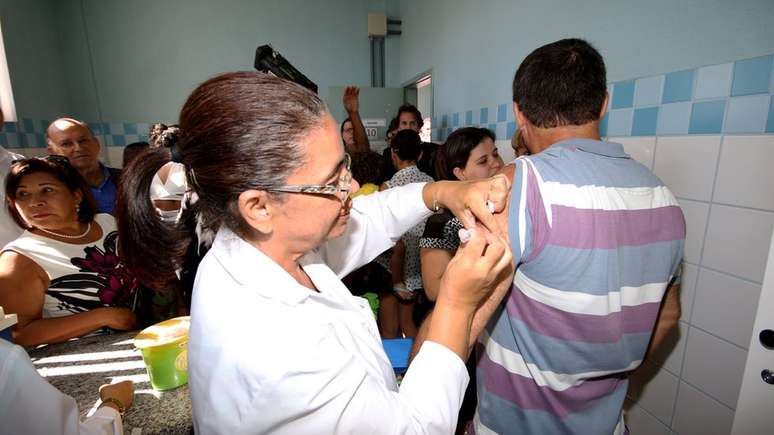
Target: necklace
x,y
65,236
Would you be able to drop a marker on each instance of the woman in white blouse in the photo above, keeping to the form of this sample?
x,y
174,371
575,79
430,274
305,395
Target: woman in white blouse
x,y
277,343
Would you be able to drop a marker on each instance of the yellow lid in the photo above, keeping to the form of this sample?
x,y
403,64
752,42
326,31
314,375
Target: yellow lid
x,y
166,332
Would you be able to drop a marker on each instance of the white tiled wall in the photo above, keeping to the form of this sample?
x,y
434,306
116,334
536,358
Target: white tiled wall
x,y
725,186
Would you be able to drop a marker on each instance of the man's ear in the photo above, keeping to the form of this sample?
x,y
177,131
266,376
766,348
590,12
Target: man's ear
x,y
255,209
521,120
604,106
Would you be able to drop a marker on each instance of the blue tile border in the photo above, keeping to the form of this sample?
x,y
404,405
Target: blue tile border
x,y
707,99
733,98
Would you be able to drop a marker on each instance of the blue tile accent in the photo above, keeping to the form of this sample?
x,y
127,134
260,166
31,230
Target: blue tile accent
x,y
40,139
105,128
3,140
770,123
444,121
623,94
674,118
603,125
132,128
501,112
620,122
707,117
436,134
143,138
678,86
752,76
118,140
493,128
456,119
645,121
22,140
117,128
747,114
9,127
647,91
449,131
771,88
27,126
483,117
501,130
510,130
713,81
469,117
96,127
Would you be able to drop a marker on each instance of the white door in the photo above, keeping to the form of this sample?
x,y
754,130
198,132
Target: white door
x,y
755,408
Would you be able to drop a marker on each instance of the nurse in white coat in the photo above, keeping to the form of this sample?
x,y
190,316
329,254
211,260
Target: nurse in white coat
x,y
277,343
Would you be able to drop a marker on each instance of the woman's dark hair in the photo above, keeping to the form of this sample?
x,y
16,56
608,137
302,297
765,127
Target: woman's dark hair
x,y
366,167
133,150
410,108
393,124
341,128
59,167
454,153
407,145
562,83
238,131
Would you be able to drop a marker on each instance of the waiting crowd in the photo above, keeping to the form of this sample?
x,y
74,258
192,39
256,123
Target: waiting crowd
x,y
531,288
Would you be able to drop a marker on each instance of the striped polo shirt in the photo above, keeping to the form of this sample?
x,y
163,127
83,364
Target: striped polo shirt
x,y
597,238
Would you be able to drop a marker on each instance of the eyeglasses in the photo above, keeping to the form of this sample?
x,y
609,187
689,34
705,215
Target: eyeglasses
x,y
343,185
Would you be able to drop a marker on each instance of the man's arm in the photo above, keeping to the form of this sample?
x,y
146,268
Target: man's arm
x,y
668,317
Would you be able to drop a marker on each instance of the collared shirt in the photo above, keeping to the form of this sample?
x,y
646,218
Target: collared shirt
x,y
268,355
105,193
9,229
597,237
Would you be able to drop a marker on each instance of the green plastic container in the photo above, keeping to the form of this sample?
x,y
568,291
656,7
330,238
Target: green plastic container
x,y
373,301
164,348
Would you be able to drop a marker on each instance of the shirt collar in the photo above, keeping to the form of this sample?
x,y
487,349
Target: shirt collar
x,y
106,174
253,269
602,148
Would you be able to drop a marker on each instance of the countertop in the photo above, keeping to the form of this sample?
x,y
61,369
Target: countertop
x,y
79,367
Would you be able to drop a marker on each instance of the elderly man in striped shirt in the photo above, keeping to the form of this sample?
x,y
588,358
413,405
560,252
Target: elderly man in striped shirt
x,y
597,240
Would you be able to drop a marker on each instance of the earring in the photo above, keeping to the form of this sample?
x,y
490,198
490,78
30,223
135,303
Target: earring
x,y
77,208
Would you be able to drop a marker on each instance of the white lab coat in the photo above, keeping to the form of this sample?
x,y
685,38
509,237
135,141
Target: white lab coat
x,y
267,355
30,405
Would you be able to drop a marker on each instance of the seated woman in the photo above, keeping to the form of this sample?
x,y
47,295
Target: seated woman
x,y
62,276
277,343
468,154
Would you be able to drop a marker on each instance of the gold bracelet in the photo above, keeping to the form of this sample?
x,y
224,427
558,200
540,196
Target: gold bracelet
x,y
114,401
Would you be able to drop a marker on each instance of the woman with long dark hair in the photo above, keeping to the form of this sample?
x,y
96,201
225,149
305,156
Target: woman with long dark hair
x,y
277,343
